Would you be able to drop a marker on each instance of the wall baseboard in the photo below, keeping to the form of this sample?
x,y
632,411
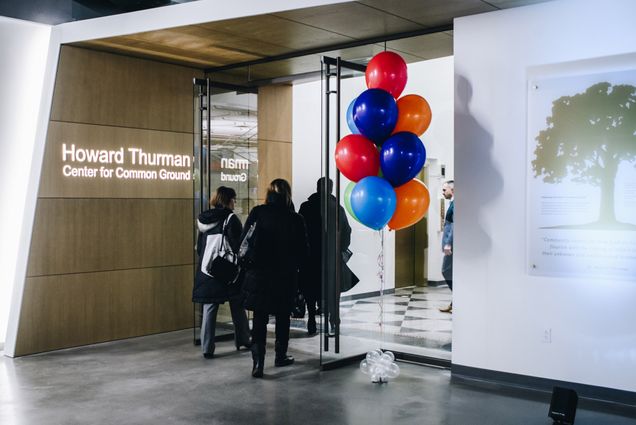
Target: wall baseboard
x,y
594,397
366,295
432,283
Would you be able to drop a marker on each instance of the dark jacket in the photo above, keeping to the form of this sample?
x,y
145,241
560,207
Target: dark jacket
x,y
447,239
447,236
312,211
207,289
271,280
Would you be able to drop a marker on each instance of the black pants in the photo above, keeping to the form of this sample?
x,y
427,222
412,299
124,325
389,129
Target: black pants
x,y
333,305
311,307
259,330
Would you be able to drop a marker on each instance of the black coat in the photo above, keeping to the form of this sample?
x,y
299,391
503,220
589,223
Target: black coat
x,y
208,290
271,280
311,276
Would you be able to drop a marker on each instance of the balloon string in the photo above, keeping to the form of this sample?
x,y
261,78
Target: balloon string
x,y
381,276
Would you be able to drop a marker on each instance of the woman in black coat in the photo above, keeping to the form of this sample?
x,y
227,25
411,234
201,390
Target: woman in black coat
x,y
209,291
278,248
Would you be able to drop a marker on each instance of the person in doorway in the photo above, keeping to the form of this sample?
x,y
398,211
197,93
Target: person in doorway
x,y
312,211
448,191
218,221
277,248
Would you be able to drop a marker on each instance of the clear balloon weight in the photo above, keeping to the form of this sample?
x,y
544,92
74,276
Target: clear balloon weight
x,y
380,366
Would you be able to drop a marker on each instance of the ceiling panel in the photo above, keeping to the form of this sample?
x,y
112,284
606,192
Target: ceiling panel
x,y
257,74
351,19
236,41
200,56
428,46
197,37
147,51
504,4
277,30
431,13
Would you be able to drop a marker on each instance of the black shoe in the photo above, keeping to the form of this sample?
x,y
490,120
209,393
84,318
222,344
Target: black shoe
x,y
257,372
208,355
282,361
258,358
247,346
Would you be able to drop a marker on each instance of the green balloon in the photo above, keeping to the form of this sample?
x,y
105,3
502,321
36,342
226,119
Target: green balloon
x,y
347,200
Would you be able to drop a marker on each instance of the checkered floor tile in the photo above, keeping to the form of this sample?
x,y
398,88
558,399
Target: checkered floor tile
x,y
410,316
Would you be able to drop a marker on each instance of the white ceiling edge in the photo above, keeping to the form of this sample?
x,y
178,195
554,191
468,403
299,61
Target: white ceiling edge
x,y
197,12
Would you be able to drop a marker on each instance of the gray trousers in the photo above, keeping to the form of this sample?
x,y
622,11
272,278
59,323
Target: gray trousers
x,y
208,325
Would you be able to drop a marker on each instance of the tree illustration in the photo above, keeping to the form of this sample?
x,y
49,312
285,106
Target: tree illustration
x,y
587,136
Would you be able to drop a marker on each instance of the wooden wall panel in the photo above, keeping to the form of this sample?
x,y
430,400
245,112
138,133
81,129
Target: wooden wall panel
x,y
274,161
108,89
111,259
77,309
275,113
84,136
84,235
274,135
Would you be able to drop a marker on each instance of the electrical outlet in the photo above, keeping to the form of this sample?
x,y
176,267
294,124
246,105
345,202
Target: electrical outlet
x,y
547,336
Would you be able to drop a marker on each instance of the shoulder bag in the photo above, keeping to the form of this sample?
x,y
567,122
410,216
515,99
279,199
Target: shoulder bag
x,y
223,266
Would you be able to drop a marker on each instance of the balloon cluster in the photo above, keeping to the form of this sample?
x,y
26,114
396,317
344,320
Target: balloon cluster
x,y
380,366
384,153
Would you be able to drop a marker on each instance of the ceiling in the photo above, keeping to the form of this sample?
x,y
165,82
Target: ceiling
x,y
332,29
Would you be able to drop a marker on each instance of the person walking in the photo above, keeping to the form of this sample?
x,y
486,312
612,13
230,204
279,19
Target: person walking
x,y
312,211
277,249
448,191
214,224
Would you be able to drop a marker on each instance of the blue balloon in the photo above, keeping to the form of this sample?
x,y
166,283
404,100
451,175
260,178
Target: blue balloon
x,y
375,114
373,202
402,158
350,123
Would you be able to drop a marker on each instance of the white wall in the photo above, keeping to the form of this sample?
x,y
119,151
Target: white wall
x,y
23,52
500,312
430,79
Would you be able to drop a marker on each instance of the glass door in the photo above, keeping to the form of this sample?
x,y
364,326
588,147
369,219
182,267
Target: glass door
x,y
225,151
349,251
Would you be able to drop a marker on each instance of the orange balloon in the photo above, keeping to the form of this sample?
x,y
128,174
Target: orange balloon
x,y
414,114
413,200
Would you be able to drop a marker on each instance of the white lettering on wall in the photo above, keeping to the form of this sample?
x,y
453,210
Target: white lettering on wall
x,y
233,177
235,164
92,155
143,162
139,157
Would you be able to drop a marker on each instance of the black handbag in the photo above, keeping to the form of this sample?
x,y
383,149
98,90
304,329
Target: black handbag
x,y
223,267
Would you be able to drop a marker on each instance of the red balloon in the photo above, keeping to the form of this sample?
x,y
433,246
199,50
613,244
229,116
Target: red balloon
x,y
357,157
387,71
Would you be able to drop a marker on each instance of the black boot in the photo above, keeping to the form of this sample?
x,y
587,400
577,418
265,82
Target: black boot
x,y
258,357
282,359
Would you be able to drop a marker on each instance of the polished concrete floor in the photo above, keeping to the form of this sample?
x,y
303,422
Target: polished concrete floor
x,y
163,379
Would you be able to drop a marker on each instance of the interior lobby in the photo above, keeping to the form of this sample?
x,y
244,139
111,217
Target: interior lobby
x,y
120,119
